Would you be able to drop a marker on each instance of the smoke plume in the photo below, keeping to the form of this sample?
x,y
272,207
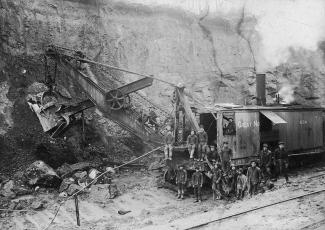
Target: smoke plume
x,y
286,94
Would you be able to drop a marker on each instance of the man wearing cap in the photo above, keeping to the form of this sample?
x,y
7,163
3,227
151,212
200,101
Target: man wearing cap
x,y
203,143
241,184
213,154
216,181
191,143
253,177
265,158
181,179
197,183
169,141
153,118
232,175
230,128
225,156
282,160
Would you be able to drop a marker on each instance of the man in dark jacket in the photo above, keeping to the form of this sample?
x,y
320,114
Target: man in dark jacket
x,y
225,156
241,184
213,154
232,175
203,144
191,143
265,158
216,181
169,141
197,183
253,177
181,179
282,161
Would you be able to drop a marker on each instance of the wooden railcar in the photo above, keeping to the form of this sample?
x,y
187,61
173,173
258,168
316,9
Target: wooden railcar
x,y
246,128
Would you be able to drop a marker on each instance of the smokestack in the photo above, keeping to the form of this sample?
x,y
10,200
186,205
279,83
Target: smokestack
x,y
260,89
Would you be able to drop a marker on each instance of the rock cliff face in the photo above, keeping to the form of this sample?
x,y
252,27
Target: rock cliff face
x,y
214,55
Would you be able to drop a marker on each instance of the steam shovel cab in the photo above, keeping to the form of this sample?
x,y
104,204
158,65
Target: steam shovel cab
x,y
246,128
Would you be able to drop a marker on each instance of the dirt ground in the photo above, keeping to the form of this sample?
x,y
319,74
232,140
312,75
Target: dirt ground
x,y
154,208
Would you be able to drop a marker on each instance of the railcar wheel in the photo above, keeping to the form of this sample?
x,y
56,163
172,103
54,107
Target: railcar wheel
x,y
116,99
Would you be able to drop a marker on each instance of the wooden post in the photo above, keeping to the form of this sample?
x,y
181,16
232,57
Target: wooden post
x,y
83,128
77,209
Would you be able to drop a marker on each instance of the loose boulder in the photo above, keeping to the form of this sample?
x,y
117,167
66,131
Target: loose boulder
x,y
40,174
73,188
65,184
67,170
7,189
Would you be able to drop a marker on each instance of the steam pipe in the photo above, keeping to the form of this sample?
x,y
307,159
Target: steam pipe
x,y
260,89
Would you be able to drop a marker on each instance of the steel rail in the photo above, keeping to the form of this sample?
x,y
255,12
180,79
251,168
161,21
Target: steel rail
x,y
252,210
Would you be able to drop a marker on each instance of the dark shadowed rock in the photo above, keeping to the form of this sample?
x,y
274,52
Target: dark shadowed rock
x,y
6,190
64,170
39,173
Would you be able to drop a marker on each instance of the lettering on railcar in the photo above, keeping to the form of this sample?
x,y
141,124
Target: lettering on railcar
x,y
303,122
246,124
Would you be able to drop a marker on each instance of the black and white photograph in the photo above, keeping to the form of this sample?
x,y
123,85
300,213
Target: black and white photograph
x,y
162,114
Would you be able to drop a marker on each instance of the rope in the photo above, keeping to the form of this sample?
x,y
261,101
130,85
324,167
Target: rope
x,y
95,179
254,209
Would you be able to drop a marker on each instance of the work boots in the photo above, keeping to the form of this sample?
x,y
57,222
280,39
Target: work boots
x,y
179,195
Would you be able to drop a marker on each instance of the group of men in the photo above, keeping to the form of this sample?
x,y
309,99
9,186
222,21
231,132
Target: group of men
x,y
227,180
274,164
198,148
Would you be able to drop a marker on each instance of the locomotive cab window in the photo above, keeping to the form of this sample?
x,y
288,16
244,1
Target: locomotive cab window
x,y
228,124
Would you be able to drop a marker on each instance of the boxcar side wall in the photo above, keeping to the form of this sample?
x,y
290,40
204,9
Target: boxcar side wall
x,y
245,143
303,130
247,134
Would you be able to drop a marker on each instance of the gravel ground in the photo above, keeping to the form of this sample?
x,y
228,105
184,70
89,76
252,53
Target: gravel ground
x,y
153,208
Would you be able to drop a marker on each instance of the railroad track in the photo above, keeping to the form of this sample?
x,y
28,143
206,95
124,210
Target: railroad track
x,y
320,223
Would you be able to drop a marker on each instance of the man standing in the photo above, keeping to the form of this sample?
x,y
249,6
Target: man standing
x,y
241,184
253,177
152,119
203,144
230,128
225,156
216,181
181,179
282,160
191,143
265,158
197,182
169,141
232,175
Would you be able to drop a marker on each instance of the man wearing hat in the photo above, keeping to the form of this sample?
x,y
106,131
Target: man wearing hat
x,y
253,178
232,175
225,156
169,141
213,154
216,181
197,183
265,158
203,143
191,143
181,179
241,184
282,161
